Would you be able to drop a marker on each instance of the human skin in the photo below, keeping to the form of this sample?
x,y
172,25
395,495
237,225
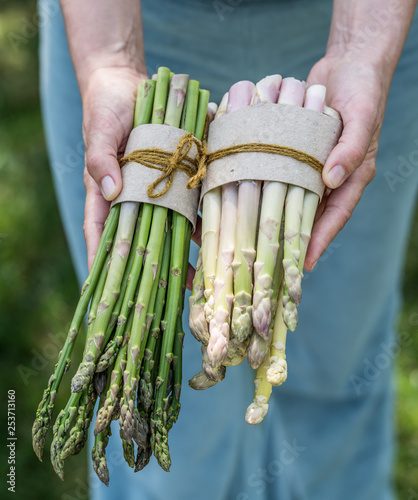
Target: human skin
x,y
357,69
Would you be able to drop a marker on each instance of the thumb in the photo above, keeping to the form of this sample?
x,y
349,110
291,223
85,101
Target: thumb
x,y
351,149
101,139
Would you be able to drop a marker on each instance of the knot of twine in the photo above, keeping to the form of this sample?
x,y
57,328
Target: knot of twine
x,y
169,162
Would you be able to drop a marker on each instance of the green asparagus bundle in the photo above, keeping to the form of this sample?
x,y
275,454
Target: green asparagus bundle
x,y
255,236
135,289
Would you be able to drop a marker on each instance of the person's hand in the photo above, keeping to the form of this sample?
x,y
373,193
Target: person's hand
x,y
358,91
108,108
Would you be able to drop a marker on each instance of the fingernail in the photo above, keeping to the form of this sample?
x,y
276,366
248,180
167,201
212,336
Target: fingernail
x,y
314,264
108,187
336,176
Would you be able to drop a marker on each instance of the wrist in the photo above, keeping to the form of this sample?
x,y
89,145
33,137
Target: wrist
x,y
95,63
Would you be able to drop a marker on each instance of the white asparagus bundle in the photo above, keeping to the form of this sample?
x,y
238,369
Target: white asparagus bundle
x,y
255,236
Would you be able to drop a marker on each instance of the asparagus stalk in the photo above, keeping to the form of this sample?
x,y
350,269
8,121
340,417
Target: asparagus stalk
x,y
259,407
292,93
306,209
259,347
211,220
315,100
112,344
160,421
46,407
124,234
277,371
197,319
223,294
248,197
106,411
268,238
147,382
129,418
151,357
223,285
159,435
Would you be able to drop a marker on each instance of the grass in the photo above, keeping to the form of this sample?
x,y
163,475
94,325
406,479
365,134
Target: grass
x,y
38,289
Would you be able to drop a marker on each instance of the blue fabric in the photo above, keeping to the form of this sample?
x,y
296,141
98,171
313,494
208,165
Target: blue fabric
x,y
329,431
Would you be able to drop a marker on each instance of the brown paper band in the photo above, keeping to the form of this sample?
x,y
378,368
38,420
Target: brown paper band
x,y
140,181
293,128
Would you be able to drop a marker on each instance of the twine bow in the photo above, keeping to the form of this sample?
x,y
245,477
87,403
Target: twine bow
x,y
168,162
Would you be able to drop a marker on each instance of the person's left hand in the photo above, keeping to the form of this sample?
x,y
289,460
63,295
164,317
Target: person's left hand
x,y
358,90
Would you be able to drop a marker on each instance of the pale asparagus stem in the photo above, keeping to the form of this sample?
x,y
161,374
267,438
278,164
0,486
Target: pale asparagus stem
x,y
292,93
292,221
197,319
123,240
223,285
223,106
216,373
277,372
211,219
258,347
267,90
248,198
247,214
331,112
259,407
315,100
310,204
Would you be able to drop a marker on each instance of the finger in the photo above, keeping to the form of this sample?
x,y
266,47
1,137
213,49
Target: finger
x,y
190,275
96,211
102,145
197,235
352,147
338,209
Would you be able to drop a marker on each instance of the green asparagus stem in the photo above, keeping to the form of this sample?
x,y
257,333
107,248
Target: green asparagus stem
x,y
46,406
151,359
177,364
138,338
159,419
129,418
202,112
124,234
107,410
144,102
78,434
161,92
98,455
188,119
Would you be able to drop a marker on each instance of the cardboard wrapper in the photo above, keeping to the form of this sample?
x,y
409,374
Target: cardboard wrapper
x,y
302,129
136,177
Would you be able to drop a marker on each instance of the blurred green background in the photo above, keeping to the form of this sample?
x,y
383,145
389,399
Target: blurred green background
x,y
38,290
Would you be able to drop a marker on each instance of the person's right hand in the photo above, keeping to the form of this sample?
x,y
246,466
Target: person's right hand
x,y
108,108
